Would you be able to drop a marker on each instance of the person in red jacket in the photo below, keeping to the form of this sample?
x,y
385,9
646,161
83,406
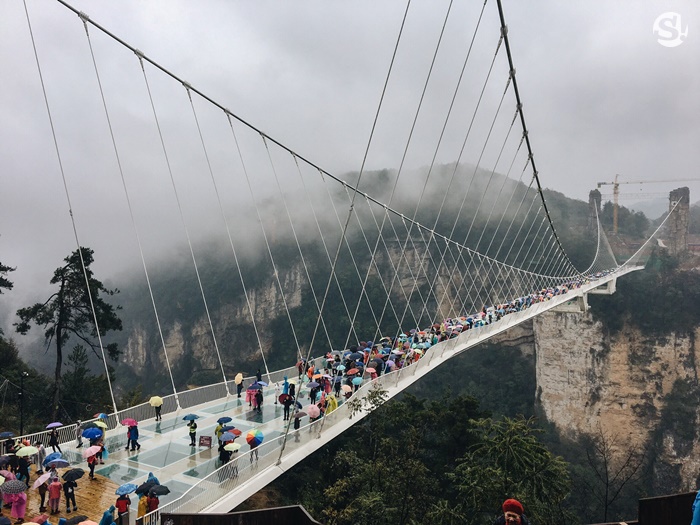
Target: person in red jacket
x,y
123,503
153,502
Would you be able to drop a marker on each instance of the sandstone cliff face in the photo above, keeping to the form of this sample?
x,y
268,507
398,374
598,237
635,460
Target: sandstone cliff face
x,y
627,385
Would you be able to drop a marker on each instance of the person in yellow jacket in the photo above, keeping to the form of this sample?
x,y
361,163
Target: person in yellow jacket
x,y
143,506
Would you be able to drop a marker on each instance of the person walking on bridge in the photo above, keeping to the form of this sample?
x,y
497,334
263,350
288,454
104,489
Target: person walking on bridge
x,y
513,514
193,432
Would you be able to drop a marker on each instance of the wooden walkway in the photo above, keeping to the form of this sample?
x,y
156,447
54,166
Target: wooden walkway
x,y
92,496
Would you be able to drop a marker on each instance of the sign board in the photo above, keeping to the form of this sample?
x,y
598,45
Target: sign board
x,y
205,441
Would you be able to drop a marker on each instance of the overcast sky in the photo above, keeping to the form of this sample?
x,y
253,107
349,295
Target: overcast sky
x,y
601,95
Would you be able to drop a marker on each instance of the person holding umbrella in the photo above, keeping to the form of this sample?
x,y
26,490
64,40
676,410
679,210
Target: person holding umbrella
x,y
133,436
123,504
287,402
157,403
193,432
239,383
53,440
43,488
153,501
69,487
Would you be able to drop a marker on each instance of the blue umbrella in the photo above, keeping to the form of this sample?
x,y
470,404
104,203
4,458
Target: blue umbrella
x,y
51,457
226,428
312,384
227,436
55,424
190,417
255,386
356,380
58,463
92,433
223,420
5,435
263,383
126,488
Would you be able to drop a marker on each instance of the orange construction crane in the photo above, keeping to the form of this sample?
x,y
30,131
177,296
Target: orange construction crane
x,y
616,191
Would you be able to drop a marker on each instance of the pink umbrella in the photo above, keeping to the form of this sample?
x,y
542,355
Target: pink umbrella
x,y
130,422
91,451
41,479
313,411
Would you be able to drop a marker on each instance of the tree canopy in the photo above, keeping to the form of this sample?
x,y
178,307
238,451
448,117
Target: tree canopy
x,y
76,309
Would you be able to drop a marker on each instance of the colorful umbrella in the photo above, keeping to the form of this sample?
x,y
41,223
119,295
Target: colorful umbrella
x,y
156,401
370,370
55,424
227,428
356,380
126,488
263,383
227,436
346,388
316,376
341,367
91,451
254,437
236,432
101,424
5,435
232,447
255,386
129,422
41,479
73,474
238,379
313,411
190,417
92,433
13,486
353,371
223,420
7,474
312,384
51,457
59,463
27,451
101,415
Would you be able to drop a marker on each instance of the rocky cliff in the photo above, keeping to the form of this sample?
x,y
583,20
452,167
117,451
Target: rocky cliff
x,y
640,389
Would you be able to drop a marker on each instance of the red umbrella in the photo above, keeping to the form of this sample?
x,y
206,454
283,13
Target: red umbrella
x,y
283,397
130,422
353,371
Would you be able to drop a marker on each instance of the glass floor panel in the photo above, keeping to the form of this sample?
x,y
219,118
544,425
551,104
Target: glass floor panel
x,y
161,455
223,407
120,474
253,417
166,425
